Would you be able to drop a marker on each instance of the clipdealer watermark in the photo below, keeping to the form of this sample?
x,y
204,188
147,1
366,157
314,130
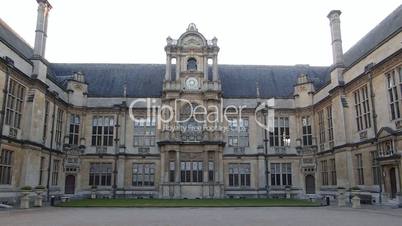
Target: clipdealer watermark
x,y
200,117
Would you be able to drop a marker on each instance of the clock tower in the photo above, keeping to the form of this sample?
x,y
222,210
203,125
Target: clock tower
x,y
192,144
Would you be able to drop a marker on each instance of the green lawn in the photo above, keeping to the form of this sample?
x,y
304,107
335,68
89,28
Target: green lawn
x,y
188,203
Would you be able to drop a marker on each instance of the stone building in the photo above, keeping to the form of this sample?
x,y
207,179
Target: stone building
x,y
298,131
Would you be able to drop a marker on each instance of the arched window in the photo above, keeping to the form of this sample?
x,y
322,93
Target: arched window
x,y
191,64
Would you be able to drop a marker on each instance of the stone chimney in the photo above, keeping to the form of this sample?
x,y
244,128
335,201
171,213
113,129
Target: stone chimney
x,y
335,24
40,68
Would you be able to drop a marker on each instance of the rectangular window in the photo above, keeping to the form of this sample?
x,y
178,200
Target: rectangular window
x,y
191,171
172,171
6,160
307,132
100,174
393,95
102,130
362,108
281,134
211,171
15,100
375,168
238,132
321,126
74,130
55,172
239,175
359,169
45,121
332,171
281,174
41,170
59,126
143,174
324,172
329,123
144,132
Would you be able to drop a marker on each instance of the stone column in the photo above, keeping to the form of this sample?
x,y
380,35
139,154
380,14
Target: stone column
x,y
215,68
168,67
206,68
178,67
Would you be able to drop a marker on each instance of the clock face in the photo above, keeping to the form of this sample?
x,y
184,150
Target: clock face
x,y
192,83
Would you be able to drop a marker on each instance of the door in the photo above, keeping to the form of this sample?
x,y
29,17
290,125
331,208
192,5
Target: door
x,y
392,178
70,184
310,184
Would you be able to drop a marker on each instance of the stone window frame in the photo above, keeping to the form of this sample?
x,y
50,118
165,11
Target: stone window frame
x,y
281,174
59,125
321,126
6,167
74,129
42,170
46,120
239,175
102,133
375,168
307,131
143,174
393,95
100,174
55,172
324,172
332,171
236,132
14,104
279,138
330,123
192,64
191,171
144,132
359,169
362,108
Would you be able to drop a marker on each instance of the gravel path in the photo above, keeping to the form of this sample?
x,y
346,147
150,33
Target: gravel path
x,y
320,216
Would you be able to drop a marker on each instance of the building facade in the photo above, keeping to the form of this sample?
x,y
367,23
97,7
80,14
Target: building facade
x,y
193,128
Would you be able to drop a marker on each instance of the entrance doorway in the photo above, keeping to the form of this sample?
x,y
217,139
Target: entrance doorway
x,y
310,184
70,184
392,178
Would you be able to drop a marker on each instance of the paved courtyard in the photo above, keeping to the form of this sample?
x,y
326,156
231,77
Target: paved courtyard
x,y
201,216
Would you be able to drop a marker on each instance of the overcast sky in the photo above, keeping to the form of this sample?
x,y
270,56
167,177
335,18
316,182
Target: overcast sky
x,y
280,32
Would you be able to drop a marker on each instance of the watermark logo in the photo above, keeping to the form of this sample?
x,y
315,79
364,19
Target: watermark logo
x,y
184,114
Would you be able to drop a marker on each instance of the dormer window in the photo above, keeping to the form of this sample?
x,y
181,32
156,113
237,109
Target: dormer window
x,y
191,64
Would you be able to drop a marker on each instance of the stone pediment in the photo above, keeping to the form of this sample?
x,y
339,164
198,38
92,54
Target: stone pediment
x,y
385,132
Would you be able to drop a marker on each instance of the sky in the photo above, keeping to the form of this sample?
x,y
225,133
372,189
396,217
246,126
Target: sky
x,y
257,32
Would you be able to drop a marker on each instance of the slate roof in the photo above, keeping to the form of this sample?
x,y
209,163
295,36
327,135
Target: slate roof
x,y
238,81
14,41
145,80
392,24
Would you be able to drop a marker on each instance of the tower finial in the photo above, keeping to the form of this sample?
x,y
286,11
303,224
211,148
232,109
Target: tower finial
x,y
192,27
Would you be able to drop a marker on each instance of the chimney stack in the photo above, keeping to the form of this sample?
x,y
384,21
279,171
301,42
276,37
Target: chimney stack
x,y
335,24
39,66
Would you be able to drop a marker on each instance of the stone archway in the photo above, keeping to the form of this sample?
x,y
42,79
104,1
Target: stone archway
x,y
310,184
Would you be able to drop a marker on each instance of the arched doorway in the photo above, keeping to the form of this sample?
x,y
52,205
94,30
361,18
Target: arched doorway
x,y
70,184
310,184
392,178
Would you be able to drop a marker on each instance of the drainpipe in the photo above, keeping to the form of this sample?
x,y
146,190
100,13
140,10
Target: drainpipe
x,y
116,151
51,145
9,63
368,71
266,154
